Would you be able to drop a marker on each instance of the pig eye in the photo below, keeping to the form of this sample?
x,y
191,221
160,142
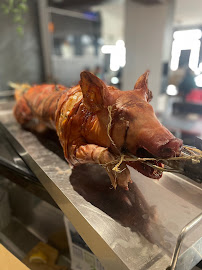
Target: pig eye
x,y
124,150
124,147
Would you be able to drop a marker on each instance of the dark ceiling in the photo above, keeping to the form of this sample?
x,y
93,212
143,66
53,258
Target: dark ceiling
x,y
71,4
150,2
84,4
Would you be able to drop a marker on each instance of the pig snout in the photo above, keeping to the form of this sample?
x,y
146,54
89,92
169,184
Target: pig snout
x,y
170,149
160,142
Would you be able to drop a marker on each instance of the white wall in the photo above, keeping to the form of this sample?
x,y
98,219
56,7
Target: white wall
x,y
188,12
112,14
144,35
67,70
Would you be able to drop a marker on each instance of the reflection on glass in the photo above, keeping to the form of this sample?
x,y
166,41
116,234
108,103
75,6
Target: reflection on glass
x,y
78,40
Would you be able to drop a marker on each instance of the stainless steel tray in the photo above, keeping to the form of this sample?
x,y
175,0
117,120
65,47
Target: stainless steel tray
x,y
135,229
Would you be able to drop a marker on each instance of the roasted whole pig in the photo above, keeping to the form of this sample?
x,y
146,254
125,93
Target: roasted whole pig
x,y
97,123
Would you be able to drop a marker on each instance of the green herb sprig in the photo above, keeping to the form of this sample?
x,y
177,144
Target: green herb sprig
x,y
17,8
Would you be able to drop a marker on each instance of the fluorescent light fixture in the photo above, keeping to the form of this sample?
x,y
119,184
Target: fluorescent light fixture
x,y
200,66
186,40
117,54
197,71
188,34
175,56
198,80
120,43
194,55
171,90
114,80
107,49
114,61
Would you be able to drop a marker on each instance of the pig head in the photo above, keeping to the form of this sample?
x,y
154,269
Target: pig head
x,y
122,122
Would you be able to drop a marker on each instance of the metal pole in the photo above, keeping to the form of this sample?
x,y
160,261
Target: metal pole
x,y
68,13
45,38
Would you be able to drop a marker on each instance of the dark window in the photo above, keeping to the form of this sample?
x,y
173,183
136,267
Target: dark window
x,y
184,58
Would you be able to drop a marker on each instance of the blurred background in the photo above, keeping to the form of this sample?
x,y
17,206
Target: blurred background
x,y
118,40
115,39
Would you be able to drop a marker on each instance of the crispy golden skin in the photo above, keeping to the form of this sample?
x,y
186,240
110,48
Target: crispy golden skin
x,y
97,123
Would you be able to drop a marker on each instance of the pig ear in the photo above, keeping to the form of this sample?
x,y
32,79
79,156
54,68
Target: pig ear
x,y
142,86
95,91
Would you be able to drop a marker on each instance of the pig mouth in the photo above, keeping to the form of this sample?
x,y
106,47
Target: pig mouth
x,y
146,169
169,149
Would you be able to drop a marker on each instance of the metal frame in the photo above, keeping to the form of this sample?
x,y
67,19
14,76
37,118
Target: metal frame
x,y
180,239
45,38
123,229
66,12
45,13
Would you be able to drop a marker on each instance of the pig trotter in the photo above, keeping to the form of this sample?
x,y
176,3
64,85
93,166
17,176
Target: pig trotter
x,y
94,154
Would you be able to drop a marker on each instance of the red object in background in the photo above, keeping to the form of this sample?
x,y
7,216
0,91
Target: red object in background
x,y
51,27
195,96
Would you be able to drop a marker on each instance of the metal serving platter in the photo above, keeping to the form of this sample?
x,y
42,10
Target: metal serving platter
x,y
135,229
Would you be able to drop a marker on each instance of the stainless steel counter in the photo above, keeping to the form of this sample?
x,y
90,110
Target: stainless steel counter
x,y
135,229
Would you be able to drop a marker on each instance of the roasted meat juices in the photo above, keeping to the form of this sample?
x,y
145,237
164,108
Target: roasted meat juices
x,y
100,124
